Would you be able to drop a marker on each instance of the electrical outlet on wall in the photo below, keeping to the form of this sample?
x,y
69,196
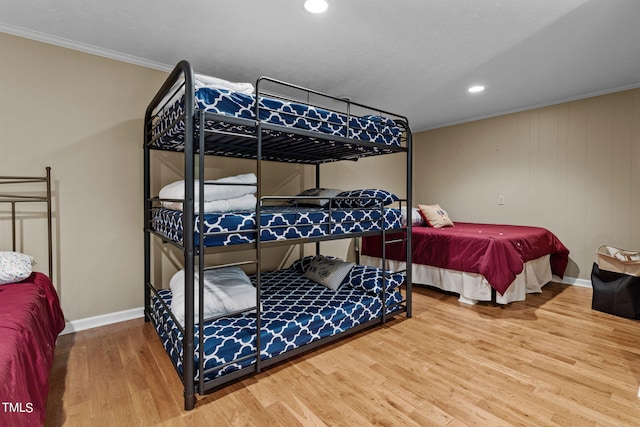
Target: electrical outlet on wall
x,y
501,200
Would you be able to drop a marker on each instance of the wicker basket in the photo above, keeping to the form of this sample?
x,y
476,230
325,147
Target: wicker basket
x,y
619,260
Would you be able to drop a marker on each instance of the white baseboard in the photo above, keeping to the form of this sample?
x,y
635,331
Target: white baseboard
x,y
102,320
576,282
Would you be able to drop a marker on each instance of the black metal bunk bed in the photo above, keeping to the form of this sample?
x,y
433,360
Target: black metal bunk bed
x,y
197,132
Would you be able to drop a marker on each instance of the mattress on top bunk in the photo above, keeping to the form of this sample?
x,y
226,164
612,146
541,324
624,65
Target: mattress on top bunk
x,y
295,312
278,222
369,128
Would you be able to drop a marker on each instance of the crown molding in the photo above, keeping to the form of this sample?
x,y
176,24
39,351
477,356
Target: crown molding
x,y
81,47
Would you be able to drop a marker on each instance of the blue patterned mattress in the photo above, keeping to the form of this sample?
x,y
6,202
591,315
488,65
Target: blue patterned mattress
x,y
295,312
368,128
278,222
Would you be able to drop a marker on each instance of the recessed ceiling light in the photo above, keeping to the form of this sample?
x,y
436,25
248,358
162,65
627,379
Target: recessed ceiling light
x,y
476,89
316,6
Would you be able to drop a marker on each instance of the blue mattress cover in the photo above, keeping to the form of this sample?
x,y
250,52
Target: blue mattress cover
x,y
279,222
369,128
295,311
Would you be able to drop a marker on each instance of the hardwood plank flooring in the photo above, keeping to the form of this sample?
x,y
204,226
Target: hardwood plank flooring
x,y
550,360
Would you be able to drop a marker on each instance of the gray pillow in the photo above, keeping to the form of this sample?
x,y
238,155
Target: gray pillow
x,y
329,272
315,192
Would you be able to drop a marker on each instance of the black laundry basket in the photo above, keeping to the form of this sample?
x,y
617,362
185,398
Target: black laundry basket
x,y
616,282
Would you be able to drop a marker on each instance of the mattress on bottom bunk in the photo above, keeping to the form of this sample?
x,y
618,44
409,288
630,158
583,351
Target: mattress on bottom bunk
x,y
277,222
295,312
369,128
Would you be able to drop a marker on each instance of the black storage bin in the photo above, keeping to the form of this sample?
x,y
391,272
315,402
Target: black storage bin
x,y
615,293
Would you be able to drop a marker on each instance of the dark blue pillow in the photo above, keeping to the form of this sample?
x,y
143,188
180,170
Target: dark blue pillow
x,y
368,198
370,279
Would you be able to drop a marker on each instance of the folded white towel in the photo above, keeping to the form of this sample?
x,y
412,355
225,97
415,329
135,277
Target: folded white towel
x,y
242,203
175,190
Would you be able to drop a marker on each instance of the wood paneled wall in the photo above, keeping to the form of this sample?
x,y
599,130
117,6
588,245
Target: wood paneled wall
x,y
573,168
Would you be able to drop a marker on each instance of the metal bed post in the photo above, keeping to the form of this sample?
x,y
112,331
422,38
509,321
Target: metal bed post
x,y
201,153
384,263
408,255
317,186
258,226
49,223
13,225
147,215
188,211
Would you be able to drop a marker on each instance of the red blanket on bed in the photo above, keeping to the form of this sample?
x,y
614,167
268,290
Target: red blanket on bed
x,y
498,252
30,321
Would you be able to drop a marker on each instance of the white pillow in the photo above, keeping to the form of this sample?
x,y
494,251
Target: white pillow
x,y
243,203
226,290
14,267
416,218
175,190
200,81
329,272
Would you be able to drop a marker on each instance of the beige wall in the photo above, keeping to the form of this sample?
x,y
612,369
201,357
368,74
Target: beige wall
x,y
573,168
82,115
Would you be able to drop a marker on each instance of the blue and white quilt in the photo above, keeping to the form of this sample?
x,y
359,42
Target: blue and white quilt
x,y
278,223
295,312
369,128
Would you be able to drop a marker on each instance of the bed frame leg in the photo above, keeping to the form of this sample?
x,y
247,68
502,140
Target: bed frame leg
x,y
189,401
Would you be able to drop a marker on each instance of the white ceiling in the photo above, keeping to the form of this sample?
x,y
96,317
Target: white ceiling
x,y
412,57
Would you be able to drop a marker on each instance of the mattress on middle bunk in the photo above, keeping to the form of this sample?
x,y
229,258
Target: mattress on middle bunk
x,y
278,223
368,128
295,311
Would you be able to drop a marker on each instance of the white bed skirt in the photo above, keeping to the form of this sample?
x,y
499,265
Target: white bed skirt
x,y
473,287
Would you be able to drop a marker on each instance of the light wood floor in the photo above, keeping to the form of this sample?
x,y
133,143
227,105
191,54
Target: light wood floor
x,y
548,361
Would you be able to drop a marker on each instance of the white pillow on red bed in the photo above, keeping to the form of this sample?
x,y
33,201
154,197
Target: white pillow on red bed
x,y
14,267
435,216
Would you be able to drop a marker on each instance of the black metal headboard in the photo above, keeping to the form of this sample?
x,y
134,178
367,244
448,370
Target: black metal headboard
x,y
14,198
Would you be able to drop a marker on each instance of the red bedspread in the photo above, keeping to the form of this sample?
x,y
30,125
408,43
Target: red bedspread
x,y
498,252
30,321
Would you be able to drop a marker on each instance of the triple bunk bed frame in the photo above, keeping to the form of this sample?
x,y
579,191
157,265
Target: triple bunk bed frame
x,y
261,140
